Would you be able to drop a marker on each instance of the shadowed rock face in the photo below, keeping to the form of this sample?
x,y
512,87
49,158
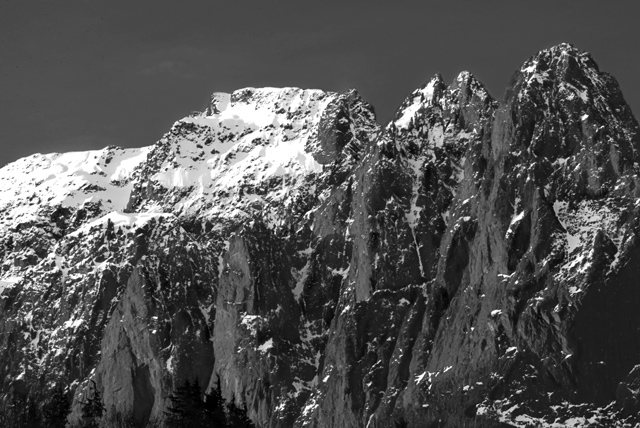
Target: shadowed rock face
x,y
472,262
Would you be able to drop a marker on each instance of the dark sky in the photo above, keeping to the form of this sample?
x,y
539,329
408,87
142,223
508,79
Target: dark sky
x,y
79,75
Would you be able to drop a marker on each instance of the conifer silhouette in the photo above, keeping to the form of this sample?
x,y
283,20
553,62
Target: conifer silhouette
x,y
57,409
237,417
92,408
189,410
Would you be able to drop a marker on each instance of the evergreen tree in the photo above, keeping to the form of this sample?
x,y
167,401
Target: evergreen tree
x,y
177,412
215,407
22,411
92,408
237,417
187,408
57,409
401,423
197,416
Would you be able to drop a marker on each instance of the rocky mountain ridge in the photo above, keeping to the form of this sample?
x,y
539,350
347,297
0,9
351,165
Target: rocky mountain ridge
x,y
471,263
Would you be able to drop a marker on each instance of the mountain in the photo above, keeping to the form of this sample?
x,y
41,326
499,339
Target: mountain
x,y
471,263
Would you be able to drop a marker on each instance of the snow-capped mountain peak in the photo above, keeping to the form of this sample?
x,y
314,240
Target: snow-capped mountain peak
x,y
474,262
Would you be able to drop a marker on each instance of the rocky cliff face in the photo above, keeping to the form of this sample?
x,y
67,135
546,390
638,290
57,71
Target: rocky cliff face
x,y
471,263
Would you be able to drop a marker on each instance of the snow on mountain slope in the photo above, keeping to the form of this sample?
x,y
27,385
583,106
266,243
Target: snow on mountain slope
x,y
249,150
67,180
256,150
256,135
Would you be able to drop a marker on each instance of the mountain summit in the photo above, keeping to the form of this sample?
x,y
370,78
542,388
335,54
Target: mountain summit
x,y
470,263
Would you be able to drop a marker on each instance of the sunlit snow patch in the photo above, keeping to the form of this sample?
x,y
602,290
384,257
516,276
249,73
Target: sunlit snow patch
x,y
8,282
121,220
266,346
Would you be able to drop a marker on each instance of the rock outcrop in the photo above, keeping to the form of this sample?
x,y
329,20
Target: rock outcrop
x,y
471,263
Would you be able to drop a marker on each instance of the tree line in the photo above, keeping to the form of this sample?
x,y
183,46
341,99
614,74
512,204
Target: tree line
x,y
188,409
22,410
